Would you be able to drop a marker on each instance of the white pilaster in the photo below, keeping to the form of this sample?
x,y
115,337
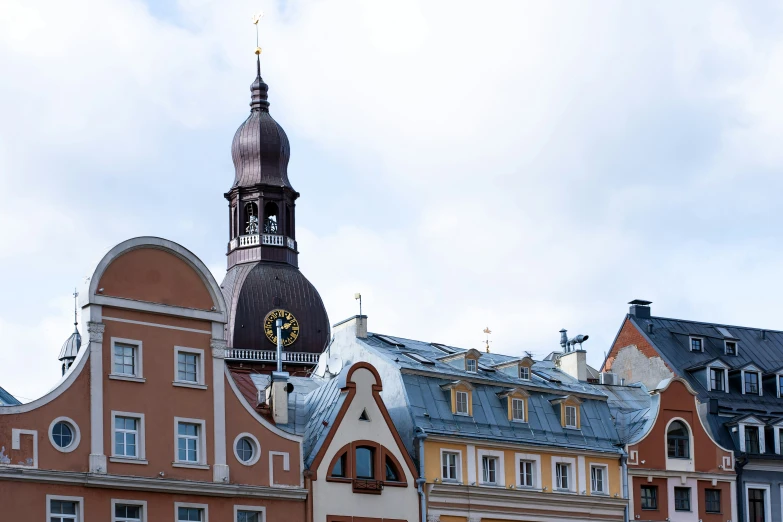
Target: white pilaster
x,y
220,467
471,455
97,458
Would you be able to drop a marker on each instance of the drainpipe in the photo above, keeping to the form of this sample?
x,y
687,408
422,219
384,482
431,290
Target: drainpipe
x,y
279,325
420,436
738,465
624,465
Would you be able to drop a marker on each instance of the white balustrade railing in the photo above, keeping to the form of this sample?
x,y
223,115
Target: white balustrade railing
x,y
239,354
264,239
248,240
273,239
291,243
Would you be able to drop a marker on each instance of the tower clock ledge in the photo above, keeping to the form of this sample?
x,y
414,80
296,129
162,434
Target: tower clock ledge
x,y
250,240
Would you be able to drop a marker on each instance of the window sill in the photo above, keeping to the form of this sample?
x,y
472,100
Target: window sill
x,y
127,460
519,421
450,481
599,493
572,428
462,414
193,385
129,378
568,491
190,465
339,479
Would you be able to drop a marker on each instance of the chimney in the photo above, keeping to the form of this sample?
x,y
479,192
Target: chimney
x,y
355,326
564,339
277,392
640,308
575,364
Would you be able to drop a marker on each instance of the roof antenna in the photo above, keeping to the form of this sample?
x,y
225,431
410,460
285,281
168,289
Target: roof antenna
x,y
487,341
358,297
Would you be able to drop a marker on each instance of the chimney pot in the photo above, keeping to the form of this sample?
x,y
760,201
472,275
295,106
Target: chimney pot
x,y
640,308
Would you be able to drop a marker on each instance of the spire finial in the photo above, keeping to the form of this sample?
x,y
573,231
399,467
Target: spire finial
x,y
75,308
258,97
257,18
487,331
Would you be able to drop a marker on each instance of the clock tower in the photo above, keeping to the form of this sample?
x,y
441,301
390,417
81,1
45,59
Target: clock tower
x,y
263,282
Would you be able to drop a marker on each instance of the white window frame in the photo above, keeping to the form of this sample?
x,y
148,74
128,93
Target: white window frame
x,y
488,470
77,435
536,461
203,507
767,499
513,410
458,467
79,506
725,378
690,343
571,462
778,377
138,361
760,382
760,427
254,509
726,347
522,367
575,425
500,475
141,503
456,403
202,444
256,448
141,454
200,382
777,432
468,362
605,479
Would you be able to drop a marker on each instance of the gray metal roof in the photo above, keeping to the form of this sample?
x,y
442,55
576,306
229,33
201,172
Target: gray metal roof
x,y
70,348
6,399
761,347
631,408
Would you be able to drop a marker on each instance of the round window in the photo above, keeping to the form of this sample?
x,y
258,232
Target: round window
x,y
62,434
245,449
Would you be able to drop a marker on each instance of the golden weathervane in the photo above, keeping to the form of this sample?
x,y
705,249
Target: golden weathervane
x,y
487,331
257,18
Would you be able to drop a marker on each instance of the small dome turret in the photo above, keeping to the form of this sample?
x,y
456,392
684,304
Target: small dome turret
x,y
70,348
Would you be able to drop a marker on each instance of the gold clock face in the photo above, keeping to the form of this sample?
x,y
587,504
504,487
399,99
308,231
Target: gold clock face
x,y
290,327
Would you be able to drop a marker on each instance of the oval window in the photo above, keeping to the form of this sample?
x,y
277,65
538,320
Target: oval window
x,y
62,434
245,449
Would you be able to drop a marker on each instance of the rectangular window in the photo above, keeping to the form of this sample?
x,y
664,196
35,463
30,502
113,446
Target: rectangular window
x,y
562,475
756,508
470,365
526,473
188,442
63,510
570,416
712,500
780,385
752,382
124,359
450,465
752,439
462,402
249,516
696,344
716,379
518,410
489,467
127,513
126,437
190,514
731,348
524,373
682,499
649,495
187,367
598,479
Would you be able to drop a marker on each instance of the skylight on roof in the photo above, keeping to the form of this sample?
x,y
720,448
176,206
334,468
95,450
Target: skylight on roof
x,y
389,340
419,358
443,348
724,332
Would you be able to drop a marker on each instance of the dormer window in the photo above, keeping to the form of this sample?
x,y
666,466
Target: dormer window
x,y
752,439
462,403
717,376
461,397
568,409
751,435
471,365
570,417
780,384
731,347
697,344
524,373
752,383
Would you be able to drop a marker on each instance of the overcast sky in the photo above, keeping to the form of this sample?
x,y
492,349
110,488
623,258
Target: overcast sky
x,y
526,166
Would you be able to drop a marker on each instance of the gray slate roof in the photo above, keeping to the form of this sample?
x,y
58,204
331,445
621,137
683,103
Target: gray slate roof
x,y
6,399
631,408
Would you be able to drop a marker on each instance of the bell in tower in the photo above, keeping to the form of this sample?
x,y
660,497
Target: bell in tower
x,y
263,282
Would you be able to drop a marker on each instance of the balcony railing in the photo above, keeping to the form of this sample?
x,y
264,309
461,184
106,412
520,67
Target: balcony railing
x,y
263,239
239,354
367,486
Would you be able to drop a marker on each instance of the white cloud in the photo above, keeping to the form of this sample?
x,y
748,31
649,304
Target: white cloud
x,y
523,165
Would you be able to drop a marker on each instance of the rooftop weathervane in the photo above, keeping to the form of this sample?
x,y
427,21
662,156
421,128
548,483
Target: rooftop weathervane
x,y
487,341
257,18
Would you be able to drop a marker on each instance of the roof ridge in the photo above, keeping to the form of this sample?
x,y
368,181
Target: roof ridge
x,y
713,324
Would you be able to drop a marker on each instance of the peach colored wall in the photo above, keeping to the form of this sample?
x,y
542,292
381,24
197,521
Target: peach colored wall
x,y
73,403
26,502
239,420
677,401
158,370
150,274
659,514
725,501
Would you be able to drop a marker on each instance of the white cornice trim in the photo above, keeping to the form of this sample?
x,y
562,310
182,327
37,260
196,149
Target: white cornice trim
x,y
728,476
523,448
157,325
160,485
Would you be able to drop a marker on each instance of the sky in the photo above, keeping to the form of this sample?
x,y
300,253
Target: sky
x,y
522,165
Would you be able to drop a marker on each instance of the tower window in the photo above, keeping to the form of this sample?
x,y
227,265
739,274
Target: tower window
x,y
251,219
270,218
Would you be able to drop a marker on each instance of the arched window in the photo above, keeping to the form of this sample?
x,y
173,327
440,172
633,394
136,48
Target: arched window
x,y
340,465
392,473
270,218
251,219
678,441
365,463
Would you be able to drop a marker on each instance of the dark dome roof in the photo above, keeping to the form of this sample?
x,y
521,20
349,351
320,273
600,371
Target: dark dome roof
x,y
253,290
71,346
260,149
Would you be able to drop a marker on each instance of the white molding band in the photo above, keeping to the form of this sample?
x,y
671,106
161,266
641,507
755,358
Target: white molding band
x,y
156,325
